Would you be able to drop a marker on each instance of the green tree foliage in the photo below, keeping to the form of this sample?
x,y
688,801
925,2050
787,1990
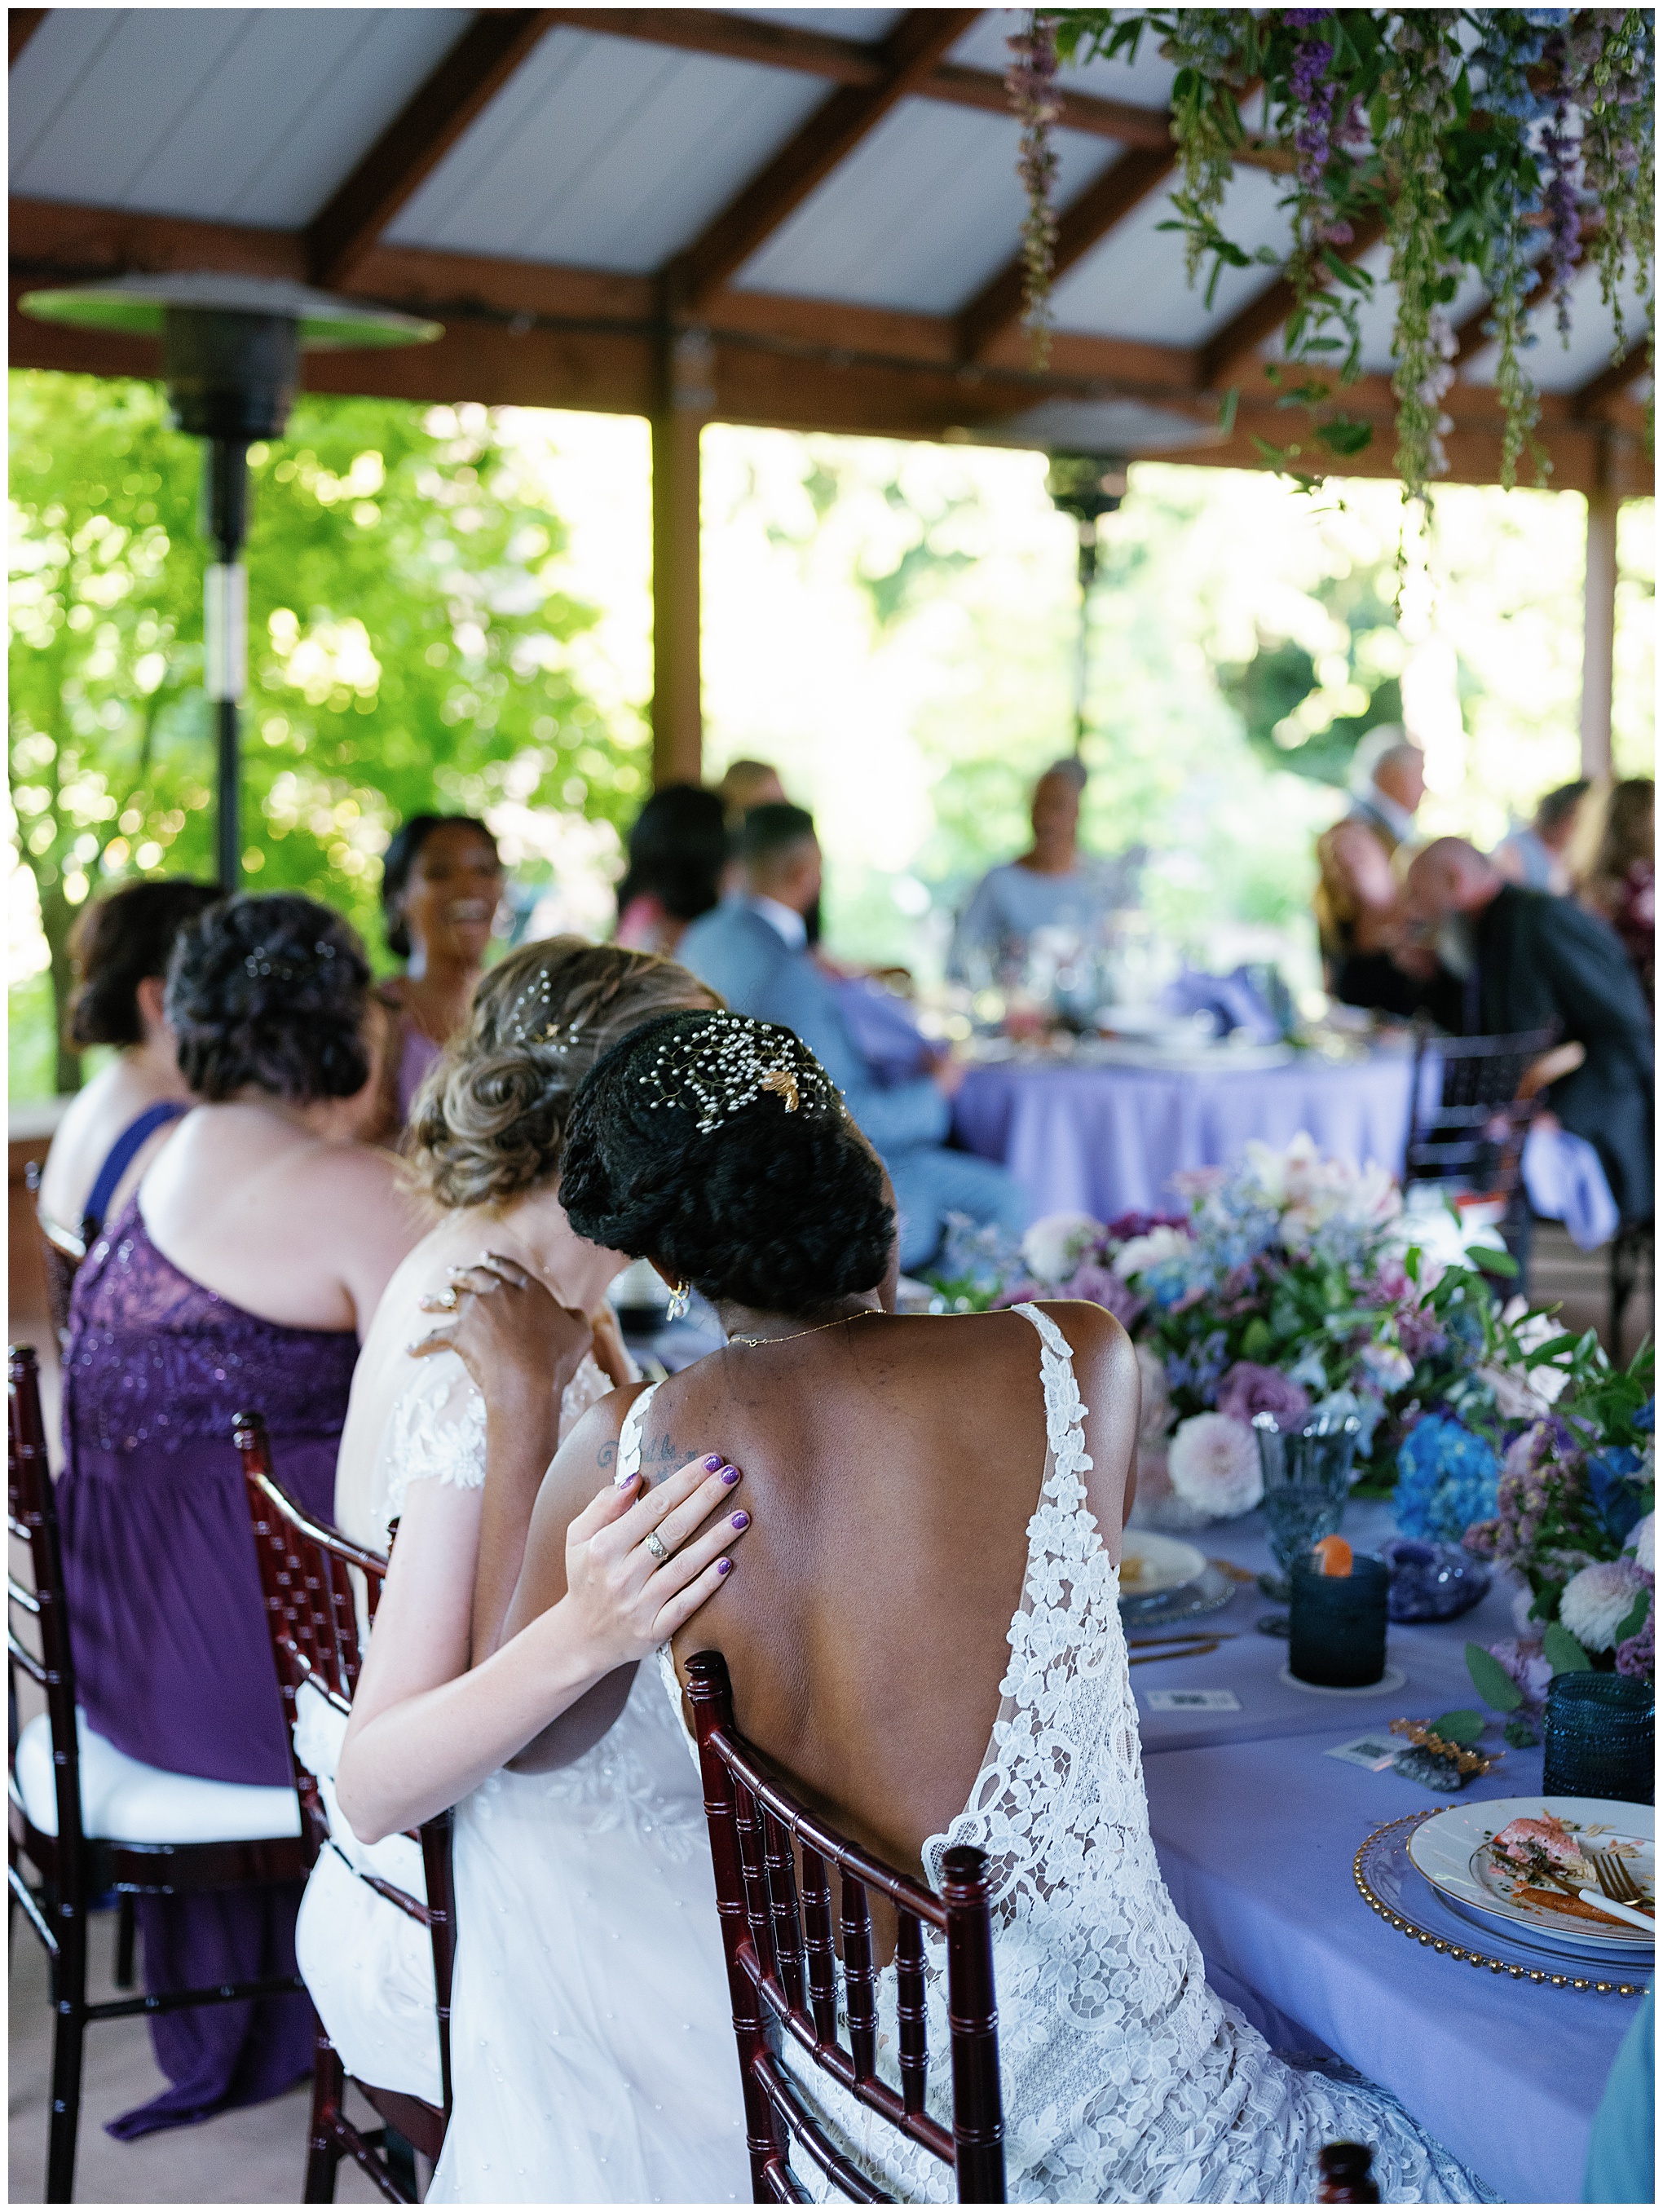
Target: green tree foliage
x,y
408,646
1306,711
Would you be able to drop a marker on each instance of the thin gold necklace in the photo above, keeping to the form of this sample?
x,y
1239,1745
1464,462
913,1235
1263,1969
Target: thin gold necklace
x,y
839,1323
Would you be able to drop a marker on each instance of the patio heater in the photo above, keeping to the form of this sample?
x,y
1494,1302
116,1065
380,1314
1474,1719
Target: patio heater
x,y
1087,486
230,351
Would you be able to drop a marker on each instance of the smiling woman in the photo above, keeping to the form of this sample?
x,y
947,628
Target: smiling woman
x,y
440,883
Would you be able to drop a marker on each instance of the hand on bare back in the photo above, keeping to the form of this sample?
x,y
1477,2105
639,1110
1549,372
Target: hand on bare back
x,y
515,1338
640,1565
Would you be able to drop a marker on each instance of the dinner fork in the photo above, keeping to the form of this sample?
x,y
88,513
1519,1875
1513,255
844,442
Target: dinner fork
x,y
1614,1878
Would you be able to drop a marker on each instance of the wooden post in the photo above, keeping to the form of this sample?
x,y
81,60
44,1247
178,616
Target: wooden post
x,y
1598,628
677,707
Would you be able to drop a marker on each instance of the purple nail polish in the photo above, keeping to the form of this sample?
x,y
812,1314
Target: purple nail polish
x,y
730,1475
713,1462
741,1520
724,1566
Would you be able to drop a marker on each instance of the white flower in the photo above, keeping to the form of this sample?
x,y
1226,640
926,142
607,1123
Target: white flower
x,y
1213,1463
1641,1538
1594,1604
1051,1249
1140,1252
1152,1422
1390,1366
1158,1504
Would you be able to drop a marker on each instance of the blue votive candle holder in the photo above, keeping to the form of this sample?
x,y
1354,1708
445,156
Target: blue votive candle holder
x,y
1337,1625
1598,1738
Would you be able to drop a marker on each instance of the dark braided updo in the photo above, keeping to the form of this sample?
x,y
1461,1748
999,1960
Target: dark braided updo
x,y
717,1147
490,1120
270,990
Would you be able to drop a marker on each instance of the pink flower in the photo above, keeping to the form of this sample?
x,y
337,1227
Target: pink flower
x,y
1522,1659
1213,1463
1247,1389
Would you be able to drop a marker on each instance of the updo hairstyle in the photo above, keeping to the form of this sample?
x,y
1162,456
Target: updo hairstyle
x,y
677,850
684,1147
119,943
490,1120
270,990
400,857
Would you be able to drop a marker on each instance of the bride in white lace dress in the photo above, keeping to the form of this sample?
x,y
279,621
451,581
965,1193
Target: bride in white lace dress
x,y
926,1636
618,1832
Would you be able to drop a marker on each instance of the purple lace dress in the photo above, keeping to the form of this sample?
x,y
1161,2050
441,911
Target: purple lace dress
x,y
173,1663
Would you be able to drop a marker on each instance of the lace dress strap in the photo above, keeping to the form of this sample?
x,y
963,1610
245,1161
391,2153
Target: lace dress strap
x,y
1067,1458
629,1436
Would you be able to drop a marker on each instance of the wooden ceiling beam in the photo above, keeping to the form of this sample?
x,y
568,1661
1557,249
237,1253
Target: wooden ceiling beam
x,y
418,139
21,24
1228,350
831,134
1614,378
997,307
855,61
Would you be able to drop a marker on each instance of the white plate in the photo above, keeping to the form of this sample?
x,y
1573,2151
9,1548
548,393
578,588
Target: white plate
x,y
1150,1564
1452,1851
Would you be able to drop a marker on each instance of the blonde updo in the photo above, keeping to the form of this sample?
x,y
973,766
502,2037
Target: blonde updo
x,y
489,1121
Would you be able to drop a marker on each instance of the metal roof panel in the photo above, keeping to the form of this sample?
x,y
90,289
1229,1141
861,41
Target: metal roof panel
x,y
1133,285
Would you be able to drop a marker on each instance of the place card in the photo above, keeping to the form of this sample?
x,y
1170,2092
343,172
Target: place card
x,y
1192,1701
1375,1753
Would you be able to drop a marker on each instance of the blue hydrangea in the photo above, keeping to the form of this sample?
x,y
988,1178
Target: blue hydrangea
x,y
1646,1417
1200,1369
1446,1481
1617,1498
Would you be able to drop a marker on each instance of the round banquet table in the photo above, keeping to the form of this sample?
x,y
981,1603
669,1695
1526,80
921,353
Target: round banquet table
x,y
1256,1827
1107,1138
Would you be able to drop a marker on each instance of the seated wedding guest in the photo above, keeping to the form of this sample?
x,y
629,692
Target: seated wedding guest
x,y
1526,960
753,951
924,1637
603,1837
441,880
1539,858
114,1125
1053,886
748,783
677,850
1355,898
241,1273
1621,885
1387,783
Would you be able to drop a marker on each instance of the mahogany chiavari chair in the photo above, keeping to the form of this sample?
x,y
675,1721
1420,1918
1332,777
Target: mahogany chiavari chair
x,y
782,1963
61,1251
88,1819
306,1572
1471,1103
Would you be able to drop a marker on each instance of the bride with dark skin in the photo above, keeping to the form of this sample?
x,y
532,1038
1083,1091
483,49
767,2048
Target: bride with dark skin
x,y
925,1637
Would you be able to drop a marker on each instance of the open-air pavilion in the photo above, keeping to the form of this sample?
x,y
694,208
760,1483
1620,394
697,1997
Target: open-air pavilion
x,y
799,218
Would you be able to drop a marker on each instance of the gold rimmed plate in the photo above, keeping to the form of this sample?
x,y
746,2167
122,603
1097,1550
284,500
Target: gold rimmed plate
x,y
1455,1853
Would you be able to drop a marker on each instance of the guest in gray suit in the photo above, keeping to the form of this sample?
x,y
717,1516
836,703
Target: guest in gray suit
x,y
754,949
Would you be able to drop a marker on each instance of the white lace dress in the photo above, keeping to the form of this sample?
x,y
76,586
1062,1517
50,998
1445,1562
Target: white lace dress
x,y
1126,2079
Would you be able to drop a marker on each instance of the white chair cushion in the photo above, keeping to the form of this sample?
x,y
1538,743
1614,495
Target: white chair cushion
x,y
124,1801
320,1727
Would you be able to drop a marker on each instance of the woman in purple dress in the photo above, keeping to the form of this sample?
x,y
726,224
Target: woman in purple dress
x,y
241,1273
441,882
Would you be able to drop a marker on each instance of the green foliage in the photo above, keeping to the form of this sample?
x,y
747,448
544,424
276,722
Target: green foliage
x,y
408,647
1519,1735
1562,1652
1462,1726
1492,1682
1296,719
1635,1619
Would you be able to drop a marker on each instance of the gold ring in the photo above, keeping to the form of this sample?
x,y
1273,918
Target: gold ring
x,y
655,1547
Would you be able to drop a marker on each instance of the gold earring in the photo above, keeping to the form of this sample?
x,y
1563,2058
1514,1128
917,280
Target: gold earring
x,y
680,1299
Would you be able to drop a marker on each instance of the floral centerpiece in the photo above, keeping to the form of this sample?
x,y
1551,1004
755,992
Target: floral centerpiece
x,y
1293,1285
1460,136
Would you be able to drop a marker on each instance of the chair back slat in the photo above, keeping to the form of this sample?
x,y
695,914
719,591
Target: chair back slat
x,y
1474,1128
32,1512
776,1935
305,1573
62,1252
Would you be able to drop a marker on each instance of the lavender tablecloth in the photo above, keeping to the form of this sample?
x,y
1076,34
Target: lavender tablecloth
x,y
1105,1140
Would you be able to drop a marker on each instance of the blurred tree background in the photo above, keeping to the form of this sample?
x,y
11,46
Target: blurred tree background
x,y
409,651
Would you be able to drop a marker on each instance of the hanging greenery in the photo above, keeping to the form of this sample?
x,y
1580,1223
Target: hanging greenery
x,y
1502,141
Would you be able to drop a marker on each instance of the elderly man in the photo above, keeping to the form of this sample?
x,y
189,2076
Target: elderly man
x,y
1355,902
754,949
1525,961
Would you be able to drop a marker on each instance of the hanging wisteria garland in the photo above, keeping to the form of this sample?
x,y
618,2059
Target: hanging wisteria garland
x,y
1470,136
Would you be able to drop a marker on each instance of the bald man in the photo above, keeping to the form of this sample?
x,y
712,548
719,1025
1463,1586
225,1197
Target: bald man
x,y
1529,961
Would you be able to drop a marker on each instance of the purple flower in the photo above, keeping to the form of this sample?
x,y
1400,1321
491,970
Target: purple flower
x,y
1565,230
1127,1226
1635,1655
1520,1657
1247,1389
1103,1287
1314,95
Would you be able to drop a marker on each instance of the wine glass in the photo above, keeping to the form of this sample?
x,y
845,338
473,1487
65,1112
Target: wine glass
x,y
1308,1475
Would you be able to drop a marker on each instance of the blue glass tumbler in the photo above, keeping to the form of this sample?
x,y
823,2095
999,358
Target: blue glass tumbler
x,y
1598,1738
1308,1477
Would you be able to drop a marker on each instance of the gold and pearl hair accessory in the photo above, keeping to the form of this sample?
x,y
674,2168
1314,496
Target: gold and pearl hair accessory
x,y
729,1062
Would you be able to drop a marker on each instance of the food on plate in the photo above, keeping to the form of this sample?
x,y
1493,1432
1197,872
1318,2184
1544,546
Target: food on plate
x,y
1556,1900
1539,1850
1136,1569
